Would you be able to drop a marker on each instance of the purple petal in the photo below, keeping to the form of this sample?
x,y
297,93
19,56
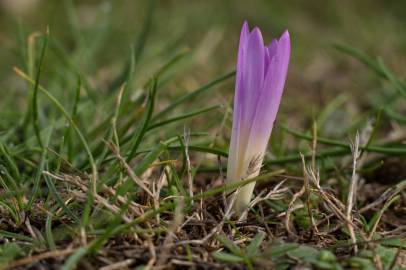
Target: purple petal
x,y
276,77
253,73
267,60
261,75
236,134
254,60
273,47
284,53
271,94
239,90
241,51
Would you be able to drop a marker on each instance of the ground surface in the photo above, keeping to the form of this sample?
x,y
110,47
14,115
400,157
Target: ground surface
x,y
115,120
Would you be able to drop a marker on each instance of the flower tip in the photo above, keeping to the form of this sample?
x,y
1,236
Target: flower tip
x,y
255,38
256,32
245,24
285,35
245,31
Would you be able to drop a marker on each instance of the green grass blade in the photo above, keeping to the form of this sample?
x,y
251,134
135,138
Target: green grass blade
x,y
395,116
37,179
35,93
255,243
362,57
92,190
370,148
227,257
377,66
54,192
194,94
9,160
17,236
68,131
144,127
73,260
149,158
48,233
183,116
143,34
138,47
230,245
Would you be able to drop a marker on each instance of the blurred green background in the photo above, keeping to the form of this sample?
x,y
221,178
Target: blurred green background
x,y
94,39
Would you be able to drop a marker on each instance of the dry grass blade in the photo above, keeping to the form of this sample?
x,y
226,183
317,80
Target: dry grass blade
x,y
380,213
188,166
39,257
128,169
177,221
291,208
277,193
98,198
118,265
215,230
330,200
389,193
306,185
352,193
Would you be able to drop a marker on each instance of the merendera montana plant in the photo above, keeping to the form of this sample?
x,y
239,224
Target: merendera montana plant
x,y
261,75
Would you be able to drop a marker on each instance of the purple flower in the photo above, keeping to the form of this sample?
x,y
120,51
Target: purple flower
x,y
261,75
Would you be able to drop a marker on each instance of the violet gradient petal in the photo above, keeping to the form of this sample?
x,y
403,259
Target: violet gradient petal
x,y
239,93
253,74
273,48
240,60
261,75
271,95
250,73
275,82
284,54
236,145
267,60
